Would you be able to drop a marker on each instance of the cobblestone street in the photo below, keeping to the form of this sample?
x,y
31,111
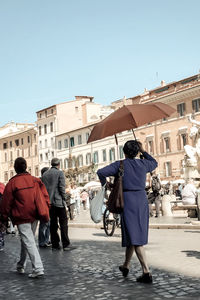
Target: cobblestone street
x,y
91,270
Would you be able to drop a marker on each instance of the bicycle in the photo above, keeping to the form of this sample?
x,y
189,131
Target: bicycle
x,y
110,222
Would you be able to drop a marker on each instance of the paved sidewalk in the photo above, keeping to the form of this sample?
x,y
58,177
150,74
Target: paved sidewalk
x,y
91,270
174,222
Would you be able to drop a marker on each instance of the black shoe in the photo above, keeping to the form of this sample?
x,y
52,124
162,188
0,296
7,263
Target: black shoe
x,y
56,248
124,271
145,278
43,246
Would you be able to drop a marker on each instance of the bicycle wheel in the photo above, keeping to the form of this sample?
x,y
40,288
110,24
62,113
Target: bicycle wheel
x,y
109,223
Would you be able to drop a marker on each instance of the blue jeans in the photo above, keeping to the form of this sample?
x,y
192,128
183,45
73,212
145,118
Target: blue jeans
x,y
44,233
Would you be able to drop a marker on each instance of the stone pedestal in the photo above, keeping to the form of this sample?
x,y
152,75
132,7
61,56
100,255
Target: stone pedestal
x,y
166,206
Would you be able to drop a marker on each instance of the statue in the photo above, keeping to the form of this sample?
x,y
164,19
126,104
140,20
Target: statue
x,y
191,164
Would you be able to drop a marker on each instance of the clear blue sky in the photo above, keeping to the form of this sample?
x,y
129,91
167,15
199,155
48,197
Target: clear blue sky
x,y
52,50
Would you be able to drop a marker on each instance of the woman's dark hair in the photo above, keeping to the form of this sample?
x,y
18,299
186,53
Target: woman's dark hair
x,y
44,170
131,148
20,165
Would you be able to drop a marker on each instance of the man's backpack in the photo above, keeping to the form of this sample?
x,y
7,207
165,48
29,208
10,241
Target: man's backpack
x,y
156,185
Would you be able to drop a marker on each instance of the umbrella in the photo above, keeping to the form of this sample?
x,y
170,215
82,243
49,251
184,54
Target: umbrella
x,y
129,117
92,184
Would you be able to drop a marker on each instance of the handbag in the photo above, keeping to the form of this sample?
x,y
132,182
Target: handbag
x,y
116,200
96,205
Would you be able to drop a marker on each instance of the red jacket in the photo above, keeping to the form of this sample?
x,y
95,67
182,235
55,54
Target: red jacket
x,y
19,198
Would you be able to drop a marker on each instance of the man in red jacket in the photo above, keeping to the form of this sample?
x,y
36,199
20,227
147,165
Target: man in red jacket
x,y
19,204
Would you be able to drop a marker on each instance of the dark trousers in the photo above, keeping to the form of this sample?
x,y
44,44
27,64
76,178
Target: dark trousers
x,y
59,214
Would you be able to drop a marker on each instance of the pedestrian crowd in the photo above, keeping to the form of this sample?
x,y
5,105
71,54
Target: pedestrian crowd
x,y
26,199
19,208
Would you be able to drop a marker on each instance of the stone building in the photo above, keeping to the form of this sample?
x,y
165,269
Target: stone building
x,y
164,139
62,118
18,140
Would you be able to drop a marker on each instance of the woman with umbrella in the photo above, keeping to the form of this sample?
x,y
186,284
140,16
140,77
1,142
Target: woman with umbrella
x,y
135,216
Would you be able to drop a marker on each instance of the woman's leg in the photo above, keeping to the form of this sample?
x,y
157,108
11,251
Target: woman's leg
x,y
128,256
140,252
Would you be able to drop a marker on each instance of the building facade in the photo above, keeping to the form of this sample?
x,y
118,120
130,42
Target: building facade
x,y
63,118
18,140
164,139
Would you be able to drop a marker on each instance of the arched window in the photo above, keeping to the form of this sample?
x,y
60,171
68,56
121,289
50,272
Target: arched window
x,y
80,160
73,162
66,164
88,158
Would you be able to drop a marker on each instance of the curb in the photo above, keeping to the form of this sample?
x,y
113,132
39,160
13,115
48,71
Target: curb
x,y
151,226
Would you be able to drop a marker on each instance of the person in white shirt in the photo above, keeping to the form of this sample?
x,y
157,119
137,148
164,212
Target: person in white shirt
x,y
189,193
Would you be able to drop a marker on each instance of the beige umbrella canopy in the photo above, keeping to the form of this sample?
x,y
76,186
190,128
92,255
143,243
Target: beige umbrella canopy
x,y
129,117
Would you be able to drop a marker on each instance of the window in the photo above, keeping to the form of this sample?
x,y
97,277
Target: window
x,y
59,145
96,157
51,126
11,155
121,152
45,113
181,109
87,136
52,154
80,160
73,162
40,130
34,137
46,156
46,145
10,144
112,154
40,144
5,146
168,169
6,176
72,142
167,144
66,144
17,142
28,139
79,139
196,105
61,164
36,171
150,146
22,141
104,155
45,128
76,109
88,159
41,158
52,111
66,163
184,138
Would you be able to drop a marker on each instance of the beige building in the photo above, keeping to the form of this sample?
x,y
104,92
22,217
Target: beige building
x,y
164,139
18,140
64,117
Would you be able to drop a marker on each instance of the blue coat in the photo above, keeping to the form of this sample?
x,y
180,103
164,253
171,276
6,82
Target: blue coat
x,y
135,216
